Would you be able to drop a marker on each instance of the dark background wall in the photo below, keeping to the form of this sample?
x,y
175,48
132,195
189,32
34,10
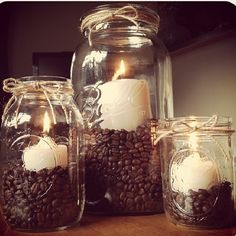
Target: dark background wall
x,y
27,28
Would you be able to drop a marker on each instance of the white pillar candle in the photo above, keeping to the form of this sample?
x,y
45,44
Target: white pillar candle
x,y
195,172
125,104
45,154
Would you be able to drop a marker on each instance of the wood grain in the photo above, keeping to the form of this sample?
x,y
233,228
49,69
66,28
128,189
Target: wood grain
x,y
154,225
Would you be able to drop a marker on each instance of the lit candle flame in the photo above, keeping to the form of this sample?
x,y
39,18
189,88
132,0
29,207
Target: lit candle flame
x,y
46,123
120,71
122,67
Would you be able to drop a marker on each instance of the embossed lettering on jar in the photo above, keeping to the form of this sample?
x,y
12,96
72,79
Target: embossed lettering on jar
x,y
122,76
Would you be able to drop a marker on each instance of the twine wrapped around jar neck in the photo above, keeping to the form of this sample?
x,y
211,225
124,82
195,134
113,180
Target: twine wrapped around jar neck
x,y
129,13
48,88
181,127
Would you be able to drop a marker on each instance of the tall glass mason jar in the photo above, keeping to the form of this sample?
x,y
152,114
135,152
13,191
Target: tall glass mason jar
x,y
122,76
41,169
197,171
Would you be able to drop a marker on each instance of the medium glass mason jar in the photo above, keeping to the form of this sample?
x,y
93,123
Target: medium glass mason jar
x,y
41,169
122,76
197,171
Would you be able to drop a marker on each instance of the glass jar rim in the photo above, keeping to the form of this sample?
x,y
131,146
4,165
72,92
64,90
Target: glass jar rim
x,y
189,124
221,120
144,15
31,78
116,6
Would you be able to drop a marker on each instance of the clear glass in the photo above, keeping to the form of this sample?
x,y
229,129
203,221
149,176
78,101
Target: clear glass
x,y
124,85
41,169
197,172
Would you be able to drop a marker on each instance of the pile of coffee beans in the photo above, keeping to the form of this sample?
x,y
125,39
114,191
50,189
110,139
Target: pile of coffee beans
x,y
123,172
38,200
204,208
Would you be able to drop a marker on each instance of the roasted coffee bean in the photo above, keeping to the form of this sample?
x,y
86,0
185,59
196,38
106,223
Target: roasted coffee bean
x,y
40,217
125,163
43,186
113,159
129,145
204,208
138,199
56,203
34,188
138,145
115,143
30,202
7,195
129,202
136,162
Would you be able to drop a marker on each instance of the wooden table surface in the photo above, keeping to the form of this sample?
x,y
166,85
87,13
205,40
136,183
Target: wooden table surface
x,y
153,225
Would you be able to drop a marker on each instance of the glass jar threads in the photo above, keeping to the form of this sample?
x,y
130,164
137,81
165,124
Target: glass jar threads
x,y
197,171
41,169
122,77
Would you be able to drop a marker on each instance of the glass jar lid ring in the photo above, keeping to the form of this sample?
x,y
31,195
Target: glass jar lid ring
x,y
14,86
92,21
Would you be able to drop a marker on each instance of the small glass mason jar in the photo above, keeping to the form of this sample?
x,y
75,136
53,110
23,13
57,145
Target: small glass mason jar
x,y
41,169
122,76
197,171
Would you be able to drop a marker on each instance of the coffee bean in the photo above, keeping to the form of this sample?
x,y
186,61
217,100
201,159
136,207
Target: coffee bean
x,y
34,188
105,138
129,136
107,131
129,145
122,135
201,196
115,136
124,162
128,162
136,162
40,217
7,195
139,178
141,191
120,185
55,216
138,145
56,203
122,196
134,152
29,204
113,159
196,203
43,186
138,199
129,202
115,143
200,208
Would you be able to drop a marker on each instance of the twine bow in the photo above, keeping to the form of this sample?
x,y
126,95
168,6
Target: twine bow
x,y
14,86
92,21
181,126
